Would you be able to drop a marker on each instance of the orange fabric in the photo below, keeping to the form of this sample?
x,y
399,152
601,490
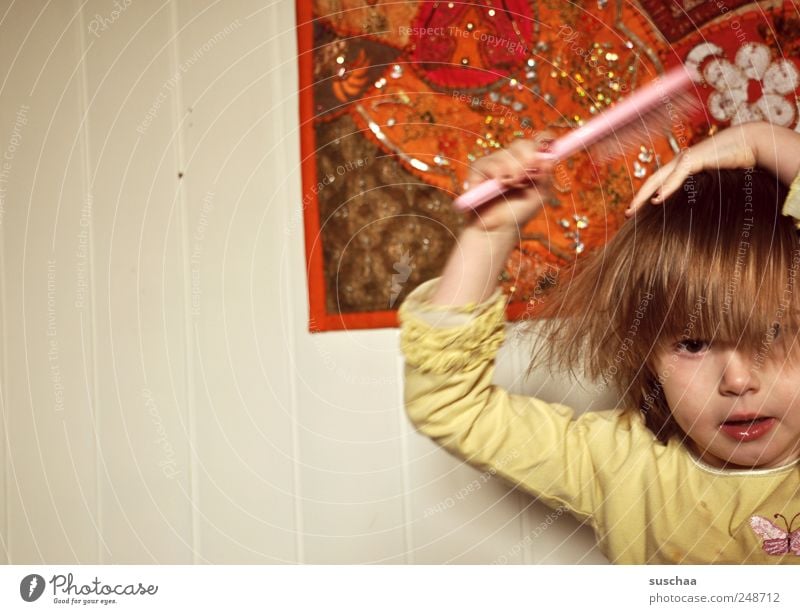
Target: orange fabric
x,y
434,85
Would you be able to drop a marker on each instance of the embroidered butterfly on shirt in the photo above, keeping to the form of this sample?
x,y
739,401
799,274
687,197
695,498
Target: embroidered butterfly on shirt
x,y
776,540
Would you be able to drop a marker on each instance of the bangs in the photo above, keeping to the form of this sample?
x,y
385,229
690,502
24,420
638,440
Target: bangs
x,y
717,262
728,264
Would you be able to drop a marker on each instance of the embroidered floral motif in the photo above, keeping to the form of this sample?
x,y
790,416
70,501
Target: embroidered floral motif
x,y
754,74
777,541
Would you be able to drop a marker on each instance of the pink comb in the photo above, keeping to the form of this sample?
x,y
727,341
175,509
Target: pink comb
x,y
644,108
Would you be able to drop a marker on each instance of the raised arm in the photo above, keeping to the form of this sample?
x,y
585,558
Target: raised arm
x,y
451,330
762,144
470,275
777,150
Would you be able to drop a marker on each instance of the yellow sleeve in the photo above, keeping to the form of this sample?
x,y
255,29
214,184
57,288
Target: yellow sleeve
x,y
791,206
540,446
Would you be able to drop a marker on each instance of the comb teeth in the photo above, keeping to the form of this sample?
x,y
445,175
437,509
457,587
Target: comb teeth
x,y
647,129
617,128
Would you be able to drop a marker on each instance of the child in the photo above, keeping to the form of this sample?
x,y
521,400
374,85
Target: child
x,y
691,310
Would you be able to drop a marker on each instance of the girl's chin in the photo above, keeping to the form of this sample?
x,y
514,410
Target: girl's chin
x,y
736,460
763,453
761,459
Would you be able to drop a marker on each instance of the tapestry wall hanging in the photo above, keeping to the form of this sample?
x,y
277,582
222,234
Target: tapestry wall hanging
x,y
397,98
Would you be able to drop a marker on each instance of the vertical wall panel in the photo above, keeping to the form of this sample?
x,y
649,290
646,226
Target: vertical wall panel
x,y
161,395
5,459
238,126
6,42
350,447
48,394
139,290
350,439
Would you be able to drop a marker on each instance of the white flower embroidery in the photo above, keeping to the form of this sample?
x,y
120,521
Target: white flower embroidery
x,y
753,69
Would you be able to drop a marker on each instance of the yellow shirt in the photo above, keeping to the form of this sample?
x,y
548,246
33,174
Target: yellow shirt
x,y
647,502
791,205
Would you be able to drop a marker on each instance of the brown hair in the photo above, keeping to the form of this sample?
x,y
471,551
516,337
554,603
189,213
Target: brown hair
x,y
717,262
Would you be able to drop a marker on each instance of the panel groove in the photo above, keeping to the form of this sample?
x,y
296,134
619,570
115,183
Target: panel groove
x,y
189,347
92,390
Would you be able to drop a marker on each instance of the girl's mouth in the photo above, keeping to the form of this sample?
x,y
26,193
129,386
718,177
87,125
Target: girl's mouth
x,y
747,430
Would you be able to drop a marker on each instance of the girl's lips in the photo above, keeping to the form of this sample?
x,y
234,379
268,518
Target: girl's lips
x,y
748,431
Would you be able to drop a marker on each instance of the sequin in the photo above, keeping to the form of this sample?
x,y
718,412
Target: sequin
x,y
411,130
419,165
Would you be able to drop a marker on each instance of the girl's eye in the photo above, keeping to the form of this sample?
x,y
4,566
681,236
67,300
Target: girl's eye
x,y
692,346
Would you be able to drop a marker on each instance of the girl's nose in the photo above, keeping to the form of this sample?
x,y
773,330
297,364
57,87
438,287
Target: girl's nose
x,y
738,375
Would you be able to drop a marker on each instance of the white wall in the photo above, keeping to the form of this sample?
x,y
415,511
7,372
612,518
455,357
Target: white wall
x,y
162,400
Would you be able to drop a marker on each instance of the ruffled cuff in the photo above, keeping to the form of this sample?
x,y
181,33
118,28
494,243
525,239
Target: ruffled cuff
x,y
792,205
439,339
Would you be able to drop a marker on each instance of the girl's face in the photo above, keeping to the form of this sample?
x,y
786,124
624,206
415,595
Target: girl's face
x,y
738,409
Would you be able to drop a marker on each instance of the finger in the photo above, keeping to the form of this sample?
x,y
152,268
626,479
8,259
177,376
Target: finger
x,y
533,164
474,177
510,158
543,139
650,187
528,152
664,181
541,177
518,149
685,165
491,167
517,165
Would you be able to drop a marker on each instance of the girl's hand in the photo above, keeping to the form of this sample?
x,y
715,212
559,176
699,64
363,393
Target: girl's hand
x,y
527,170
731,148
